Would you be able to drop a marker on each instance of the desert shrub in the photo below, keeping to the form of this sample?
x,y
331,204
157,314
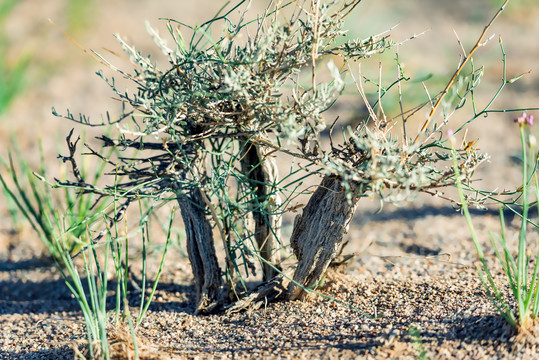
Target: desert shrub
x,y
210,128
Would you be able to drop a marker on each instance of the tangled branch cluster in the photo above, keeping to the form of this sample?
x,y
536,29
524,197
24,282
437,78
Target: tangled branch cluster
x,y
208,126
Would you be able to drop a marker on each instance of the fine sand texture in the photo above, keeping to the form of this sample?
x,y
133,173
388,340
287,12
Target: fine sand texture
x,y
409,290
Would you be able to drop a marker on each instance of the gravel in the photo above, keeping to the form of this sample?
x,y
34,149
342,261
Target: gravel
x,y
410,291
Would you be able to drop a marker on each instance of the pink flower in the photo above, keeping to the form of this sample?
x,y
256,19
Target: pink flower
x,y
524,119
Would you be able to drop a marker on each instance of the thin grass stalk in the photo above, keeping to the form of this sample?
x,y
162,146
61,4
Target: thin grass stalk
x,y
99,282
535,308
20,205
131,329
487,108
116,258
125,264
116,251
39,208
95,302
522,256
486,278
532,292
508,257
161,265
495,242
13,209
30,213
145,237
104,284
78,291
121,275
88,268
530,301
507,261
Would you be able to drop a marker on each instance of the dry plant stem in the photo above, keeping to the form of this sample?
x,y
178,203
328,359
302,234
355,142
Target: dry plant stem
x,y
262,172
316,239
226,244
275,289
200,245
464,61
315,7
201,251
319,230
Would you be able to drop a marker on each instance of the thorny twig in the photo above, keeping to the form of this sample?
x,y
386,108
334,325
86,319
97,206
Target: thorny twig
x,y
72,146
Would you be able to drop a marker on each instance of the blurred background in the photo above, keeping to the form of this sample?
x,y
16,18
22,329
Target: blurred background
x,y
40,68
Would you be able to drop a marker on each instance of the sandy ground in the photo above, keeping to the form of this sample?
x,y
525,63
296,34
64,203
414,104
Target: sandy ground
x,y
410,291
414,291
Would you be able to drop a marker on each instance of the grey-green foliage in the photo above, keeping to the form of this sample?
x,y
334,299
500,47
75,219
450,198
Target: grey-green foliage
x,y
225,85
230,87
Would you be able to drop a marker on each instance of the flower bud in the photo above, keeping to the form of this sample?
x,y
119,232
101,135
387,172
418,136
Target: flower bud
x,y
532,141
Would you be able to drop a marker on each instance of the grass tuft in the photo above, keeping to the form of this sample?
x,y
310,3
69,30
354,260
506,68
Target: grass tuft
x,y
521,270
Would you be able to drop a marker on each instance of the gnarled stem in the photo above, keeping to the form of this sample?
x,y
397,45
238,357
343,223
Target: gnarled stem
x,y
319,230
262,173
200,245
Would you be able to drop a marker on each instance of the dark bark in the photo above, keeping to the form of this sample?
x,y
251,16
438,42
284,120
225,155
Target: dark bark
x,y
201,251
200,243
262,172
316,240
